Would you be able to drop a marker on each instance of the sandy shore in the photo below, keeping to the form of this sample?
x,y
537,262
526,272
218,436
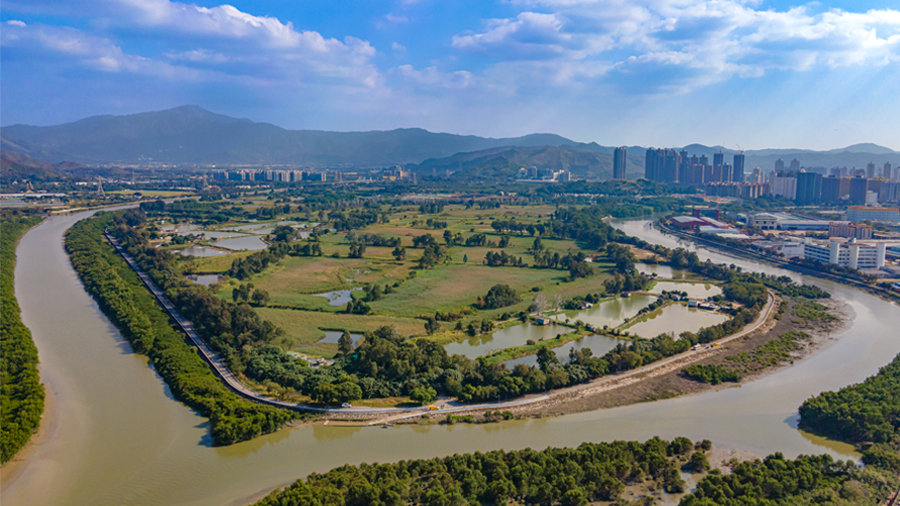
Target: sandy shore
x,y
11,471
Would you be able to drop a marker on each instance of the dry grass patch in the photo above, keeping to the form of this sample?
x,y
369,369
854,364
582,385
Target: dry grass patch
x,y
306,327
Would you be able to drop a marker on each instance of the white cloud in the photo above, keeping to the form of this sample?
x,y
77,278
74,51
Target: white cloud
x,y
16,22
267,50
393,18
527,33
398,49
92,52
431,77
199,55
683,44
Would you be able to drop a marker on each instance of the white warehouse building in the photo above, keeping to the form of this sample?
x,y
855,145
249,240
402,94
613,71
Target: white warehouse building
x,y
846,253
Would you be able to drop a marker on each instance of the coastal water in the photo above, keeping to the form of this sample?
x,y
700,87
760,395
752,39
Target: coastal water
x,y
120,439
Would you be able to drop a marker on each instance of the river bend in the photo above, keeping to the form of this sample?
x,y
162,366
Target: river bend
x,y
121,439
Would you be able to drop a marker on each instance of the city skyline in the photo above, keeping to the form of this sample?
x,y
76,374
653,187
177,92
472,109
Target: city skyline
x,y
792,74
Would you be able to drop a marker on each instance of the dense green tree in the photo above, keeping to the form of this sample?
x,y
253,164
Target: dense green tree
x,y
345,343
500,296
21,391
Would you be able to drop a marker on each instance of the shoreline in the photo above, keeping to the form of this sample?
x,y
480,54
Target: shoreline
x,y
15,467
666,382
776,262
608,392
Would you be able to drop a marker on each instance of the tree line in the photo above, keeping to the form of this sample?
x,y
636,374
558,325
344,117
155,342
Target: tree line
x,y
21,391
136,313
566,476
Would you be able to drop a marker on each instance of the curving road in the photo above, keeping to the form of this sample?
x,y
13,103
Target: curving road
x,y
221,370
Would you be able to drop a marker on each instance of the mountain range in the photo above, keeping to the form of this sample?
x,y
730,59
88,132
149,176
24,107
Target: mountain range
x,y
192,135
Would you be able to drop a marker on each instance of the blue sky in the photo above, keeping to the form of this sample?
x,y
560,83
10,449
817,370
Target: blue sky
x,y
749,73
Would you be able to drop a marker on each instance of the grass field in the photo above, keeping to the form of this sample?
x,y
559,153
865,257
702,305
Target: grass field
x,y
447,287
214,265
303,328
451,287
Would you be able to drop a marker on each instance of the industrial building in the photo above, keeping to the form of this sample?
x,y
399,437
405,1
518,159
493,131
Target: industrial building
x,y
846,252
863,213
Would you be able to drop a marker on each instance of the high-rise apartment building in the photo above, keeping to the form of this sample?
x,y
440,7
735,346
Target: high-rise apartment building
x,y
718,162
785,187
858,188
779,165
809,188
870,170
831,190
662,165
737,175
887,171
650,164
795,165
672,165
619,163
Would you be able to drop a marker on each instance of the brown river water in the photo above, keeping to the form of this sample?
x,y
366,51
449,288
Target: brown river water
x,y
120,439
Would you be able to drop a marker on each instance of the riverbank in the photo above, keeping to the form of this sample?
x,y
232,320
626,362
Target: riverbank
x,y
21,388
123,440
12,470
667,381
784,264
664,380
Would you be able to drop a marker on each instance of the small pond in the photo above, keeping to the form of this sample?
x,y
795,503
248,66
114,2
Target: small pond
x,y
250,242
599,345
337,297
332,336
611,312
694,290
661,271
204,279
516,335
676,319
201,251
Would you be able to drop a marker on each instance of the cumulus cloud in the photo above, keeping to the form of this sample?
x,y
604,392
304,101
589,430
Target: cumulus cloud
x,y
528,34
683,44
231,43
86,50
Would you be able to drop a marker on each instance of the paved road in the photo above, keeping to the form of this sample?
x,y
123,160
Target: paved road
x,y
234,384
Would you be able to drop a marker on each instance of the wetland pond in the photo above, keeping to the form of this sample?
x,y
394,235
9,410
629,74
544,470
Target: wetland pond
x,y
676,319
332,336
599,346
250,242
337,297
694,290
201,251
204,279
611,313
516,335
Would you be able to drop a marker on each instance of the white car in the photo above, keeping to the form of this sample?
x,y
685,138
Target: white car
x,y
346,405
